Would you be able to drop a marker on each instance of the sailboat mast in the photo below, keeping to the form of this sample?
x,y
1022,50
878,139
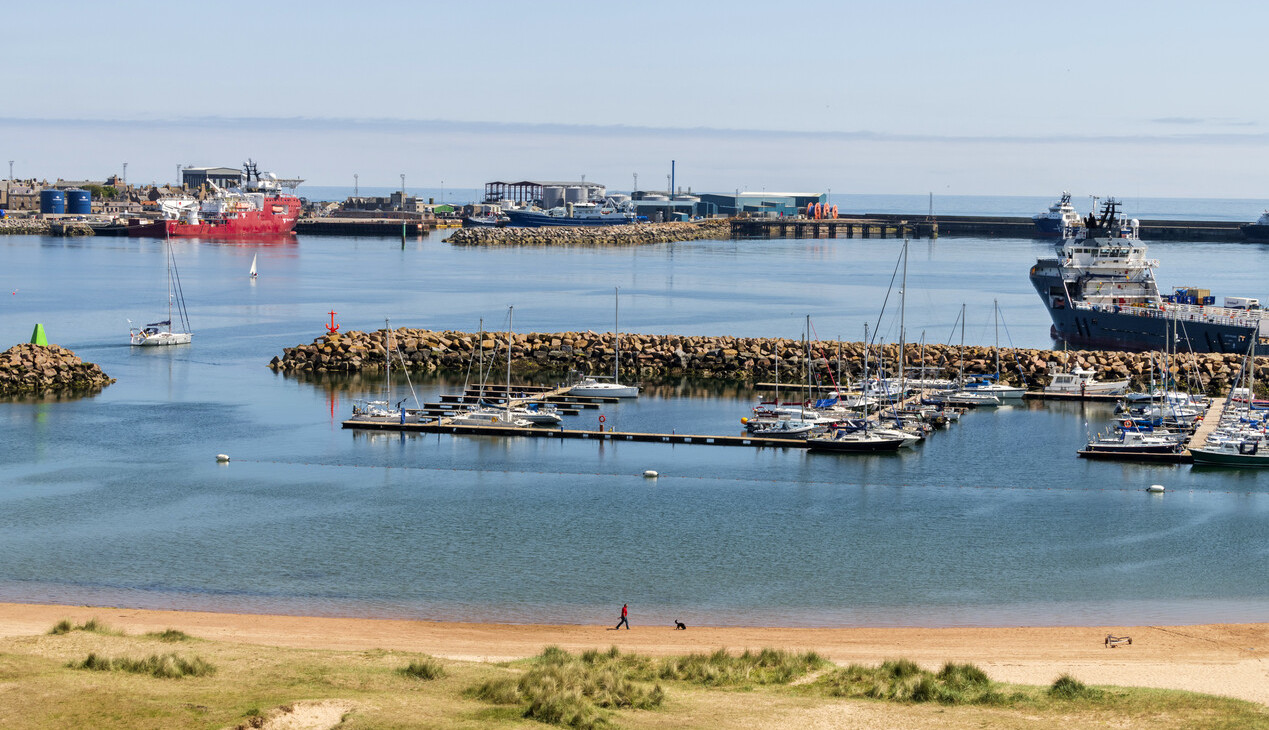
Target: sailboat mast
x,y
168,246
616,335
864,390
509,311
962,350
995,304
387,359
903,300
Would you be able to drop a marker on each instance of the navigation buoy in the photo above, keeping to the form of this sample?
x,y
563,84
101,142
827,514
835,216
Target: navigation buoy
x,y
1155,489
650,474
222,458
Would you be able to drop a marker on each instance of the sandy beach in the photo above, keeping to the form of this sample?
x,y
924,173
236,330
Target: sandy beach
x,y
1230,660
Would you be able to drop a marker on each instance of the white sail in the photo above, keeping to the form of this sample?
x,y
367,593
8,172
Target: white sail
x,y
253,265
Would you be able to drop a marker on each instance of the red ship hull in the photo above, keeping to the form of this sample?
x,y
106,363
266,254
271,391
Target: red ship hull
x,y
277,218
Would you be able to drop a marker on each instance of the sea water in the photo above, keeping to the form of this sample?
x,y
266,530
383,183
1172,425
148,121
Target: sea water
x,y
117,498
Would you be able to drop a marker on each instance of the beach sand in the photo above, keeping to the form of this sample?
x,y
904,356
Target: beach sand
x,y
1230,660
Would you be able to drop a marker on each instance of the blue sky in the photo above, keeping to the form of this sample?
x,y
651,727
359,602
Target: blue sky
x,y
1144,99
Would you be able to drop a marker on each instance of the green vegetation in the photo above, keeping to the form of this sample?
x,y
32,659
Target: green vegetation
x,y
721,669
92,625
425,668
562,689
901,680
170,635
1067,687
163,666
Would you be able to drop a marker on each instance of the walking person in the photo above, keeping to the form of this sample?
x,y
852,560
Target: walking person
x,y
625,613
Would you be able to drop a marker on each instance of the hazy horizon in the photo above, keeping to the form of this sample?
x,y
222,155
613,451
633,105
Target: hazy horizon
x,y
985,98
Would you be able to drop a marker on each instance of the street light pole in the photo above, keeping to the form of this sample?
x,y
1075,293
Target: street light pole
x,y
403,210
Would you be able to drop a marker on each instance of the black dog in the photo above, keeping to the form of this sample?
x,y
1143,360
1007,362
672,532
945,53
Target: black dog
x,y
680,625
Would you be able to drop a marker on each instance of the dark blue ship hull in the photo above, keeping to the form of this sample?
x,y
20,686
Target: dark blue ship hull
x,y
1125,329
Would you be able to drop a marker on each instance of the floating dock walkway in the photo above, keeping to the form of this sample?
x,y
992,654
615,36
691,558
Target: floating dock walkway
x,y
443,426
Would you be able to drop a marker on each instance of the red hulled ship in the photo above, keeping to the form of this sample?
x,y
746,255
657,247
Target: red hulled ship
x,y
257,208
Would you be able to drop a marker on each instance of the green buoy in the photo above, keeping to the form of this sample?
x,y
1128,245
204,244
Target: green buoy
x,y
37,336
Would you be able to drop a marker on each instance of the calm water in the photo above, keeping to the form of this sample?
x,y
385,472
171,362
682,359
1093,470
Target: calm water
x,y
117,498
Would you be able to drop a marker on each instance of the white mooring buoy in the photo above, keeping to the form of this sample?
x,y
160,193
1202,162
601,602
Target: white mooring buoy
x,y
650,474
1155,489
222,458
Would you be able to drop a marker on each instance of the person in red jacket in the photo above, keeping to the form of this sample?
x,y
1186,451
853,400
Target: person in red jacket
x,y
624,618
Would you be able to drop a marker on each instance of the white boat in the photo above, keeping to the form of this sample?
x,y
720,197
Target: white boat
x,y
488,417
253,266
1081,381
492,415
785,428
157,334
539,414
596,386
383,411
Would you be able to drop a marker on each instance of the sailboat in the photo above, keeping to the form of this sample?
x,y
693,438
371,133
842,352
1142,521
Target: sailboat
x,y
864,440
593,386
163,333
991,385
491,415
382,411
253,266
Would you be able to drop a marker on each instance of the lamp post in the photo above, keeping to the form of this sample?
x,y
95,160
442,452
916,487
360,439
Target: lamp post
x,y
403,210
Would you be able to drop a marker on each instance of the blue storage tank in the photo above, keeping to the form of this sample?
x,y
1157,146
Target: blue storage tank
x,y
79,202
52,201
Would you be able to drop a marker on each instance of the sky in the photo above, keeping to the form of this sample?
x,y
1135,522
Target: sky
x,y
1157,99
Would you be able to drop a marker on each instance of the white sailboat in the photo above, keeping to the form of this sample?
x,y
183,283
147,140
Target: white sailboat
x,y
382,411
163,333
593,386
491,415
253,266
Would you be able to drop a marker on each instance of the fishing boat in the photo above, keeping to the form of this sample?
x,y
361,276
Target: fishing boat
x,y
572,214
1082,381
1061,214
257,208
1100,291
596,386
157,334
1136,442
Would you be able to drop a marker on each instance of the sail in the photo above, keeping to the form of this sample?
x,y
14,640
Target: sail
x,y
253,265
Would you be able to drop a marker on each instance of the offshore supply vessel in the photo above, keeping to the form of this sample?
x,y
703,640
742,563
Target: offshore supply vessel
x,y
1100,292
257,208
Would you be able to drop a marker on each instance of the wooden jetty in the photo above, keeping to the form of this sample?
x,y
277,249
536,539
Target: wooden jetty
x,y
1211,420
362,226
442,426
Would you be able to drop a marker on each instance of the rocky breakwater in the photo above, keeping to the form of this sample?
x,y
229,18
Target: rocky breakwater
x,y
730,358
23,226
30,368
627,235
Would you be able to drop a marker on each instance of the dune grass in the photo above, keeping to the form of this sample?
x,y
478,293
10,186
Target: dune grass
x,y
563,689
171,636
901,680
162,666
119,689
92,626
425,668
